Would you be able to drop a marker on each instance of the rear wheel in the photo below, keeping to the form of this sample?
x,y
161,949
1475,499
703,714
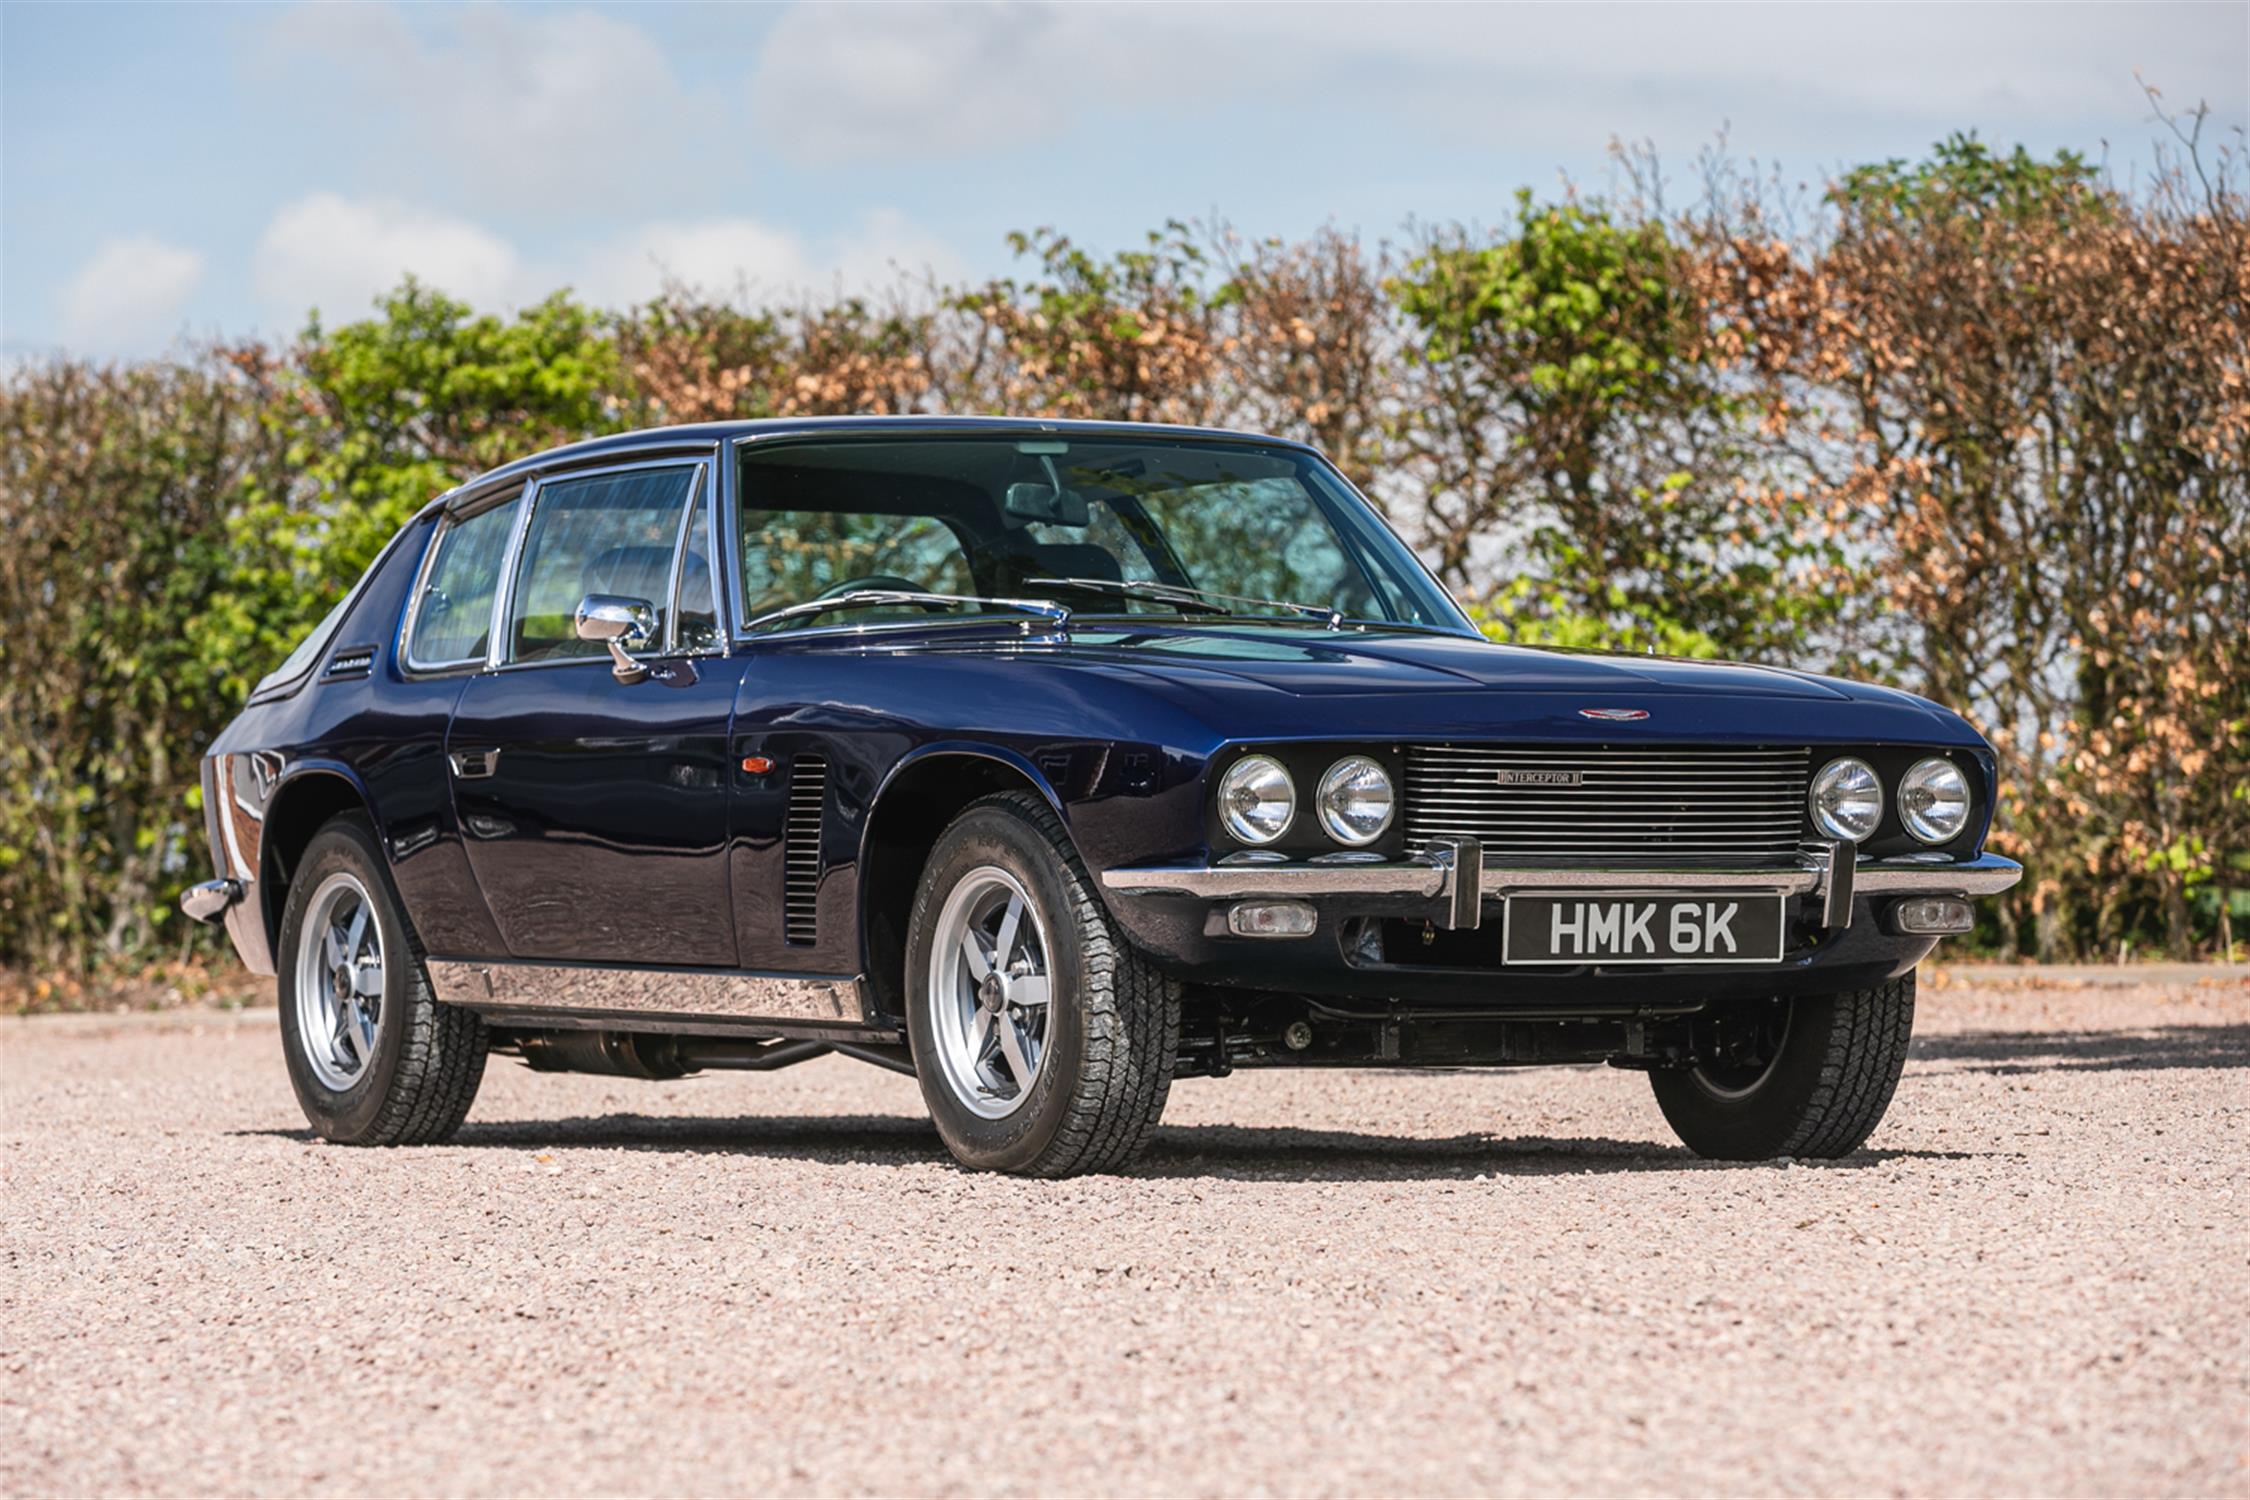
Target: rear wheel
x,y
374,1058
1807,1077
1044,1041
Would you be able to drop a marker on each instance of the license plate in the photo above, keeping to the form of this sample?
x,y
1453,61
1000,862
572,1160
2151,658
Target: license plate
x,y
1685,929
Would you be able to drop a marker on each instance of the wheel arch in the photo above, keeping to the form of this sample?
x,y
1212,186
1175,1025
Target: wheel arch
x,y
302,803
916,802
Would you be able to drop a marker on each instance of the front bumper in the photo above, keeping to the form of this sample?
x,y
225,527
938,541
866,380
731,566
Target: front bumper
x,y
1407,930
1455,879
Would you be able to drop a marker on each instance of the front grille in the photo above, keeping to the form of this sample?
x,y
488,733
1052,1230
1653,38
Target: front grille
x,y
1642,804
800,850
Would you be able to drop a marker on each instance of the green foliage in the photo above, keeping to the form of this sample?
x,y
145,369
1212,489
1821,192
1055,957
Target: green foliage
x,y
115,488
413,401
1987,436
1526,613
1574,385
1580,315
1965,178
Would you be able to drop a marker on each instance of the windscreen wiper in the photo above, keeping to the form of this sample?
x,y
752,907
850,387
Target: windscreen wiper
x,y
1181,594
878,598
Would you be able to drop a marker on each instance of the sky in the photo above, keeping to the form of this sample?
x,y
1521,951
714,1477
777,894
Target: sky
x,y
186,171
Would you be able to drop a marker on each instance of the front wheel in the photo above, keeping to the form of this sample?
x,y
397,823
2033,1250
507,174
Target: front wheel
x,y
1807,1077
1043,1040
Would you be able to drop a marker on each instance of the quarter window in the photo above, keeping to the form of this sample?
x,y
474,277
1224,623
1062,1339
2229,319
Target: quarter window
x,y
615,533
699,605
453,616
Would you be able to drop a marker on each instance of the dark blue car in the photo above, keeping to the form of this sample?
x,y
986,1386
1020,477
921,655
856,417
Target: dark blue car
x,y
1050,762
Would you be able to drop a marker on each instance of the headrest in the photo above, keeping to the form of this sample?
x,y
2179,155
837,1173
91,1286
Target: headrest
x,y
634,572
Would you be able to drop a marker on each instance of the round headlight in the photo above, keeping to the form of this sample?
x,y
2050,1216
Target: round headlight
x,y
1355,800
1257,799
1847,799
1933,801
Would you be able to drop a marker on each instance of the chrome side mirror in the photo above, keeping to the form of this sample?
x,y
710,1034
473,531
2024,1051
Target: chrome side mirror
x,y
620,624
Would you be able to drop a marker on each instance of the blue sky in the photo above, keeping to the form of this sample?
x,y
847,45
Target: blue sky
x,y
189,170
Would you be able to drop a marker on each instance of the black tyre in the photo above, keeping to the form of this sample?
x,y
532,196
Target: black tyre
x,y
1809,1077
375,1059
1043,1040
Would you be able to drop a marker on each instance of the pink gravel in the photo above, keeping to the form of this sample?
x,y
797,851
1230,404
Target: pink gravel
x,y
2034,1281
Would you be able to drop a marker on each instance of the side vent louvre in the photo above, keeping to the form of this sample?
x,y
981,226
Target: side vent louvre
x,y
352,661
800,850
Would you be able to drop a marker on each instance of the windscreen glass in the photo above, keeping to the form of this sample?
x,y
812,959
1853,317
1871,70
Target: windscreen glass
x,y
1212,530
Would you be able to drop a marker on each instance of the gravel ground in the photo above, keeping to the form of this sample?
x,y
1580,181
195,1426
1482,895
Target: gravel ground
x,y
2033,1282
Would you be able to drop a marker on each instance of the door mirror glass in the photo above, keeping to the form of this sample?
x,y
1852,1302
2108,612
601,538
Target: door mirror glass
x,y
620,624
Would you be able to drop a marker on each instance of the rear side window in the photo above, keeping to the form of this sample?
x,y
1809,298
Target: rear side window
x,y
453,614
615,533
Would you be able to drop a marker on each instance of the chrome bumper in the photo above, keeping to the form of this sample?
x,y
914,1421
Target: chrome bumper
x,y
1455,875
209,901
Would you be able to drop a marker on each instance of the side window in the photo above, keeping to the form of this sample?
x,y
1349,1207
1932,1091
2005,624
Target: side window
x,y
699,608
453,615
604,534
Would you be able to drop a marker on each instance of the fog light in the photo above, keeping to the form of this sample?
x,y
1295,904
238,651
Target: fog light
x,y
1272,919
1929,914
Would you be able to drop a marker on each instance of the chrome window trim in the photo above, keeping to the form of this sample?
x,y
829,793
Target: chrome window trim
x,y
409,663
504,599
696,494
907,428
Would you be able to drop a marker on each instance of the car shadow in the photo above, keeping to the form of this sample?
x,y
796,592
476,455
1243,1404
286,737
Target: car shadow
x,y
2144,1050
1221,1152
1299,1153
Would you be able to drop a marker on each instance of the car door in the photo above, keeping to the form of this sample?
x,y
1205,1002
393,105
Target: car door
x,y
594,810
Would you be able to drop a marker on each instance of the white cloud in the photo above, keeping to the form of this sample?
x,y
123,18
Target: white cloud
x,y
735,256
838,83
716,256
338,254
524,110
130,295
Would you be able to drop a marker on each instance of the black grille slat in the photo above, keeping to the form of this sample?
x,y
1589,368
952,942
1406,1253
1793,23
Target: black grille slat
x,y
800,850
1632,805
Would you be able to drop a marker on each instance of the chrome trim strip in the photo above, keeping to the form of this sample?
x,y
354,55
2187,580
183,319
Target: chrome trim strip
x,y
504,587
1426,878
484,984
1986,875
1839,878
671,642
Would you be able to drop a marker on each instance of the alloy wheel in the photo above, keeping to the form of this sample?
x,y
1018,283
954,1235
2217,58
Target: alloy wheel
x,y
340,982
990,993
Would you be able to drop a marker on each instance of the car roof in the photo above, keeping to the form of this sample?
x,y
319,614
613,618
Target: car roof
x,y
705,434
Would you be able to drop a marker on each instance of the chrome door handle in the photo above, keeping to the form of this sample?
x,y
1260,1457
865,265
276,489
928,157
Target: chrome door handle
x,y
474,765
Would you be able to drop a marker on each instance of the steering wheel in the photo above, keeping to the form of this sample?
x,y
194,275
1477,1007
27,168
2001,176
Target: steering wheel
x,y
880,581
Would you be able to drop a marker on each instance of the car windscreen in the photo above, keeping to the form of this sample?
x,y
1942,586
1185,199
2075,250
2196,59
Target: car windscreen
x,y
1106,525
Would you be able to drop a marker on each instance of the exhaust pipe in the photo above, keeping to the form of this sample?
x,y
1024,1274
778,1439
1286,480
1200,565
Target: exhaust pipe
x,y
635,1054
